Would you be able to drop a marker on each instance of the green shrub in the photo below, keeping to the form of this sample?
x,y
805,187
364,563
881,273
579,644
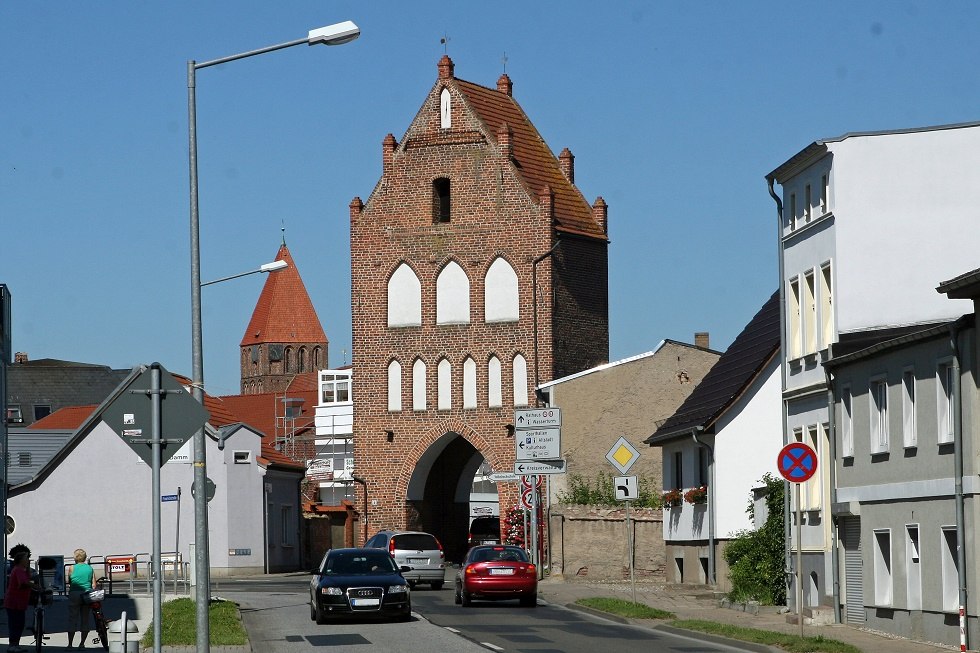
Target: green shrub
x,y
756,558
599,491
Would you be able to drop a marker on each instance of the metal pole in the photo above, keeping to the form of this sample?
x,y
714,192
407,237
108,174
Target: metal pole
x,y
177,557
799,559
629,538
202,571
534,521
156,431
5,322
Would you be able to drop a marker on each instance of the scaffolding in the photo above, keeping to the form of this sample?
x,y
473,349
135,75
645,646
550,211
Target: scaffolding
x,y
333,463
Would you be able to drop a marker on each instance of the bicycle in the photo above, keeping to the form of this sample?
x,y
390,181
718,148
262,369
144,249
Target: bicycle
x,y
40,599
94,598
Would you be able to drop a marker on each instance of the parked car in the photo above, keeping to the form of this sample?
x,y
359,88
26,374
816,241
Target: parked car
x,y
484,530
420,551
497,572
359,582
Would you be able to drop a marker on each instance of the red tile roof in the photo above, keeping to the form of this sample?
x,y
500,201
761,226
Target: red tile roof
x,y
284,312
70,417
259,411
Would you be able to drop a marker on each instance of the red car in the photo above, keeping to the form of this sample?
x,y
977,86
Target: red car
x,y
497,572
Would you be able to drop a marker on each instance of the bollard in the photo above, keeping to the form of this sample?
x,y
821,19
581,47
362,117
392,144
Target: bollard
x,y
124,643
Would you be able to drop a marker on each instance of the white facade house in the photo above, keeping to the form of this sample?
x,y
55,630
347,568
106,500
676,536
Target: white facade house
x,y
724,438
861,217
334,422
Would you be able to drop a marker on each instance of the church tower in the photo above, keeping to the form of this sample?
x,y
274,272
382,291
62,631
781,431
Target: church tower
x,y
284,337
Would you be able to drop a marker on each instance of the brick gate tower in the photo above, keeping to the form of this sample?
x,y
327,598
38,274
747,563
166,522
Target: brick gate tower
x,y
449,336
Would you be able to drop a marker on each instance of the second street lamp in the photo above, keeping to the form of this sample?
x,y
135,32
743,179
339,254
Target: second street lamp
x,y
336,34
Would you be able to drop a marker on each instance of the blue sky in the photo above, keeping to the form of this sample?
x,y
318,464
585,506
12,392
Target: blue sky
x,y
675,112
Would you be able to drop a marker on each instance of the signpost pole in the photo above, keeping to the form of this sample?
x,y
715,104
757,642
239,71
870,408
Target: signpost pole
x,y
156,395
629,538
534,522
177,560
799,560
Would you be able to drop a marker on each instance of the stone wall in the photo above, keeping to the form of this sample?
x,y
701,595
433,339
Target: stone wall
x,y
591,541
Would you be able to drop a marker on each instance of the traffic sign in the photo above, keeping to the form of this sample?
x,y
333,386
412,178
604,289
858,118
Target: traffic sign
x,y
528,481
538,443
622,455
797,462
209,488
540,467
537,418
504,477
168,497
627,489
129,415
527,500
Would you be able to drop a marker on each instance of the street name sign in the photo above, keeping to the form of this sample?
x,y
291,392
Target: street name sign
x,y
540,467
504,477
538,443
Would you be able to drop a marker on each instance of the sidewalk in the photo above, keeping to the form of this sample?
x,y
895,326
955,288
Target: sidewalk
x,y
691,605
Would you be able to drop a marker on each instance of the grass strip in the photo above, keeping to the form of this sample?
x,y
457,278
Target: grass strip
x,y
178,627
625,608
792,643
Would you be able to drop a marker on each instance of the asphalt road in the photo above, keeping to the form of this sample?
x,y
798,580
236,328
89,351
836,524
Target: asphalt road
x,y
277,616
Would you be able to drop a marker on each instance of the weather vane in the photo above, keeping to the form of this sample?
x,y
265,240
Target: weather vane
x,y
445,43
283,222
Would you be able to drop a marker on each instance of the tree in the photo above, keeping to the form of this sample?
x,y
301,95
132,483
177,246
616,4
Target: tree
x,y
755,558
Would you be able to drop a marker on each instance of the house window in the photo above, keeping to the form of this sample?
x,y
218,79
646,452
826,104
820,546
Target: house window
x,y
702,466
41,411
825,195
404,298
469,383
878,393
913,566
908,408
847,423
795,337
452,295
494,383
826,306
394,386
13,414
811,488
883,566
418,385
950,570
944,406
334,388
792,211
809,313
678,470
243,457
520,381
286,526
444,371
441,200
807,204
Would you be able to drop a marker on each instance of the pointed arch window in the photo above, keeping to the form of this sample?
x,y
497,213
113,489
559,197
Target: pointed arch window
x,y
520,381
452,295
418,385
494,399
404,298
317,353
301,360
500,296
445,109
394,386
441,200
469,383
288,355
445,377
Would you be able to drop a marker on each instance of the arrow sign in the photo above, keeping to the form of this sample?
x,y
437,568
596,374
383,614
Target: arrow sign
x,y
538,444
537,418
540,467
627,489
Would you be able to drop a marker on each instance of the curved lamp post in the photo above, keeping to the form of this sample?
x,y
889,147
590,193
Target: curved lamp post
x,y
336,34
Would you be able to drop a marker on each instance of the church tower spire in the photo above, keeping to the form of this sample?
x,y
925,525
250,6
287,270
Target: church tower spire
x,y
284,337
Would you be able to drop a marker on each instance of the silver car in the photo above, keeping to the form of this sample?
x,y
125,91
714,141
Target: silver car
x,y
420,551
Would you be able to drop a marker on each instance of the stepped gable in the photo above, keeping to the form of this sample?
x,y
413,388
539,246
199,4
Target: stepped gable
x,y
284,312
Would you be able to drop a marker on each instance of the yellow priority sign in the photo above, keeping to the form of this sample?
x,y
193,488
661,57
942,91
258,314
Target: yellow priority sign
x,y
622,455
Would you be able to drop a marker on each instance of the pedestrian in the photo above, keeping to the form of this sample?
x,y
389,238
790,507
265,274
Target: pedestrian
x,y
80,577
17,598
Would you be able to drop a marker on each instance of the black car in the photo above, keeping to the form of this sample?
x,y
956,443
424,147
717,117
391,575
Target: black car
x,y
359,582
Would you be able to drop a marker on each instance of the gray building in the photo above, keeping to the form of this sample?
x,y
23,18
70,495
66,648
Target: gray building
x,y
38,388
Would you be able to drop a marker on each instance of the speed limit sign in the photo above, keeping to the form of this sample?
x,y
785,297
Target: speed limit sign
x,y
526,500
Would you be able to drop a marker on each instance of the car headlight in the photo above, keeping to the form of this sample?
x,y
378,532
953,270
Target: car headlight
x,y
331,591
398,589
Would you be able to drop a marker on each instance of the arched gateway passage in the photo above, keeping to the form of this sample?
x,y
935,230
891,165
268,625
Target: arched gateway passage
x,y
440,489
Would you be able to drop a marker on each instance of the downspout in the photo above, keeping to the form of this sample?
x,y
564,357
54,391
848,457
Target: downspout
x,y
954,332
832,437
787,497
699,430
357,479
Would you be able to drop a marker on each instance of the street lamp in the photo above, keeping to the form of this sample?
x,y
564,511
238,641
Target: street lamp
x,y
330,35
266,267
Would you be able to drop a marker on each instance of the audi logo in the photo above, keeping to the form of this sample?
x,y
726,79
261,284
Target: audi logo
x,y
364,593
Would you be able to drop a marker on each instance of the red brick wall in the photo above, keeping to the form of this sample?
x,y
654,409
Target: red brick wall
x,y
493,214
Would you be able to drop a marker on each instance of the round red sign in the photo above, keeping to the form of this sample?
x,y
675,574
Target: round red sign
x,y
797,462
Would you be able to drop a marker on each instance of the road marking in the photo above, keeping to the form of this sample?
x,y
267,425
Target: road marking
x,y
452,630
491,646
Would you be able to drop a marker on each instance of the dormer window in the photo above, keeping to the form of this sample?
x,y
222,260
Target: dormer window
x,y
440,200
445,110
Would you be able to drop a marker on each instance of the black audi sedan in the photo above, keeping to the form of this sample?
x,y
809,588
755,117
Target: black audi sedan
x,y
359,583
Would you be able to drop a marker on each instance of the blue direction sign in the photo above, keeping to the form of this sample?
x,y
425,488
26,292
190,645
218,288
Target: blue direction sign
x,y
168,497
797,462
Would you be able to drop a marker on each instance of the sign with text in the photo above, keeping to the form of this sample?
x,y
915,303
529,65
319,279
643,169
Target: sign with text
x,y
540,467
536,418
537,444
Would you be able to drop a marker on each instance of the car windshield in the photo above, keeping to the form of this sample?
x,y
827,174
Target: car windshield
x,y
493,554
358,563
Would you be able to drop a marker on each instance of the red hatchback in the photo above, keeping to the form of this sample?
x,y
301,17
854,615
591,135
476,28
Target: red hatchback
x,y
497,572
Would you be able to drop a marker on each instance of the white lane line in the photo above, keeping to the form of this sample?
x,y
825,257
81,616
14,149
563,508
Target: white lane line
x,y
491,646
452,630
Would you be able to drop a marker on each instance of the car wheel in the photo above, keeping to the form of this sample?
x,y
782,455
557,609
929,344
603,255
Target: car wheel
x,y
464,599
313,610
437,584
458,598
529,601
411,584
320,618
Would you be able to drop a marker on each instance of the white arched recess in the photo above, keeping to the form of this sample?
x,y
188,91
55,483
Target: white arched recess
x,y
394,386
444,372
418,385
452,295
500,296
494,394
404,298
520,381
469,383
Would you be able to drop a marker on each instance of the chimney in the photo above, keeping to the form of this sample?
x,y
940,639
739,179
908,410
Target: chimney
x,y
701,339
505,86
600,213
504,133
446,67
388,146
547,197
566,161
356,206
20,357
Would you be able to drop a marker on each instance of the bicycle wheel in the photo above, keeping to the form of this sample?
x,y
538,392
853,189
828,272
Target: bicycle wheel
x,y
38,629
100,626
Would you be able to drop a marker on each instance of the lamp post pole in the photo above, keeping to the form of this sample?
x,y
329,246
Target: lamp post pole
x,y
331,35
